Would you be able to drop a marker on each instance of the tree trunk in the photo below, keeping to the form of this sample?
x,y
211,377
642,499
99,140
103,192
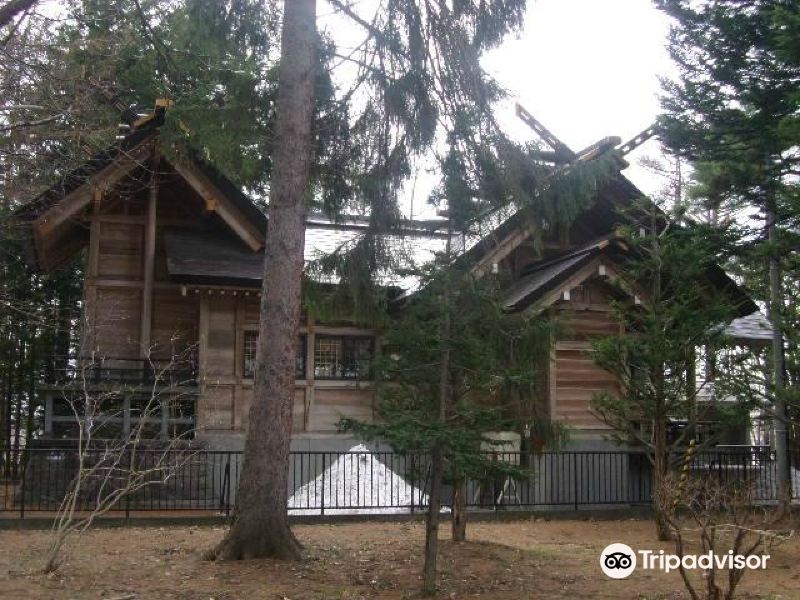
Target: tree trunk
x,y
660,416
660,491
261,527
432,522
661,499
774,308
437,452
459,523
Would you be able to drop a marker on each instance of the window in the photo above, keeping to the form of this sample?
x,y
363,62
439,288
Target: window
x,y
342,357
249,363
250,344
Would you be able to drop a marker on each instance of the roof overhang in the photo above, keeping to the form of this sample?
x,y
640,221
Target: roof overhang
x,y
56,219
212,259
220,203
546,282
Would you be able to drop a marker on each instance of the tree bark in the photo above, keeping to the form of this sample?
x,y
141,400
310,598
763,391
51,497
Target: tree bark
x,y
432,522
261,527
459,522
663,531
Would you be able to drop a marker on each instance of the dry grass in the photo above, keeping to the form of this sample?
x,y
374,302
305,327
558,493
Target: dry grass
x,y
520,559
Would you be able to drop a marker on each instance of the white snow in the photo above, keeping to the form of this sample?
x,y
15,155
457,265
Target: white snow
x,y
796,482
357,482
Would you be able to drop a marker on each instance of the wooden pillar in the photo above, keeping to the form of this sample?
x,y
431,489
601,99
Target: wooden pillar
x,y
202,339
149,263
309,374
89,318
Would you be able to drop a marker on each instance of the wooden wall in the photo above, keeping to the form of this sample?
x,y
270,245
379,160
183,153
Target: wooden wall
x,y
117,292
118,298
574,377
227,394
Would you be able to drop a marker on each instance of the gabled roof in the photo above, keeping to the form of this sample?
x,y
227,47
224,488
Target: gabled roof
x,y
80,175
754,328
55,224
543,282
550,275
520,226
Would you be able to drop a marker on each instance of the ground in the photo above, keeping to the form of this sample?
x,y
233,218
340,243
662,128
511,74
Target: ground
x,y
531,558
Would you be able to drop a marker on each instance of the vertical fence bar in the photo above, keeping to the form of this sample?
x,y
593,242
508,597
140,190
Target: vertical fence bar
x,y
575,478
227,484
413,487
322,495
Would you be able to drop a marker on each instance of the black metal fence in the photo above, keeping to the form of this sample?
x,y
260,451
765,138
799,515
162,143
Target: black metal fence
x,y
358,481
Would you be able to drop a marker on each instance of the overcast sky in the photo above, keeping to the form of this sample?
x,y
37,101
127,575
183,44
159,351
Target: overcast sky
x,y
586,69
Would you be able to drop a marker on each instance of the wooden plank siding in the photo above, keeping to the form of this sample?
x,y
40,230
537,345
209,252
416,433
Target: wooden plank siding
x,y
575,377
227,394
120,283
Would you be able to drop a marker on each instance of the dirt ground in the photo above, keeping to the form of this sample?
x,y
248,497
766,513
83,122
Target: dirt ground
x,y
533,558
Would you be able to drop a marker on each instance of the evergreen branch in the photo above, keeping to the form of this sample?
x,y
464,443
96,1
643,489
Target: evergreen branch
x,y
10,10
371,28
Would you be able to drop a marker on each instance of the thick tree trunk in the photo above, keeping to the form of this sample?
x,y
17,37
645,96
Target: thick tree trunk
x,y
261,526
459,523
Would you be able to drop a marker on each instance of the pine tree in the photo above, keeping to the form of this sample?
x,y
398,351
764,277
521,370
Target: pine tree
x,y
734,113
454,367
420,74
261,526
671,311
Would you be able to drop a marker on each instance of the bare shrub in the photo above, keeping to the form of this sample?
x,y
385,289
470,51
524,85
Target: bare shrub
x,y
705,516
111,469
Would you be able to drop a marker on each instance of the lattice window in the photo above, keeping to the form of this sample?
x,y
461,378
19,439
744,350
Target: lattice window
x,y
250,344
249,354
342,357
327,357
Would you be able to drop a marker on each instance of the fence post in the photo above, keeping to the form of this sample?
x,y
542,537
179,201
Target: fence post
x,y
575,478
322,495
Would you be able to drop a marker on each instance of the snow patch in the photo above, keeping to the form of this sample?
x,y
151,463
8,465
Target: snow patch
x,y
358,482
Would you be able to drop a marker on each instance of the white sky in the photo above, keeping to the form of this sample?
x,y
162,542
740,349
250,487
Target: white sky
x,y
586,69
